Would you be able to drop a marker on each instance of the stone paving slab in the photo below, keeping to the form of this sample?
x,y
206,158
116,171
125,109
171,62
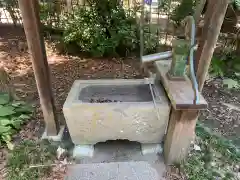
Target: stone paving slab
x,y
114,171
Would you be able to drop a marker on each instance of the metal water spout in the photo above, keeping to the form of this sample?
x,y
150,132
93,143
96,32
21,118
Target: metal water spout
x,y
168,54
156,57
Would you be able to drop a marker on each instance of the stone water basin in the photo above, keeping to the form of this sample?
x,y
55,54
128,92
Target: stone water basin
x,y
101,110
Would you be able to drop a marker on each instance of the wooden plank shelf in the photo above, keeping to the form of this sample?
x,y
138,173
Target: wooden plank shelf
x,y
180,93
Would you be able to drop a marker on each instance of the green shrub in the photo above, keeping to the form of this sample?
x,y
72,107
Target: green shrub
x,y
184,9
218,67
12,116
102,29
151,41
236,4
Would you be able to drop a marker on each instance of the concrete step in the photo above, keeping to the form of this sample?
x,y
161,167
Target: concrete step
x,y
116,171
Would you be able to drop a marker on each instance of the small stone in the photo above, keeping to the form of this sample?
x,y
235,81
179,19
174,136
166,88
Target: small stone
x,y
60,152
197,148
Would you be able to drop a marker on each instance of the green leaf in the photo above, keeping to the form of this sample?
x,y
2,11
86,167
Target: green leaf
x,y
24,117
18,103
230,83
17,124
4,98
237,3
5,122
24,109
6,137
237,74
237,67
4,129
6,111
10,145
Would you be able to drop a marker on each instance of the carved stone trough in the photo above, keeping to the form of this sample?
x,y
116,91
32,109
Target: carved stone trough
x,y
101,110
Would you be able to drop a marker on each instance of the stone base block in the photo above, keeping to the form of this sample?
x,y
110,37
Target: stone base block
x,y
56,138
80,151
151,149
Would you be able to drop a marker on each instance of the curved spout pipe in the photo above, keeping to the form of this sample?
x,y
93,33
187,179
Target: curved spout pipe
x,y
156,57
192,72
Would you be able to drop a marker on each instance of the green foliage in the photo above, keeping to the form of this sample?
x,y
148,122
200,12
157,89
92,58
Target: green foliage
x,y
12,116
218,67
27,154
165,5
216,160
225,66
105,29
8,3
231,84
181,11
237,4
45,10
150,40
49,13
102,29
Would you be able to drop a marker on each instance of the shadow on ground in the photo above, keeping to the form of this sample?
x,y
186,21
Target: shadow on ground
x,y
64,70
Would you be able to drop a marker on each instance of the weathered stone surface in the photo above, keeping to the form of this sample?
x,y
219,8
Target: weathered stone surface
x,y
134,118
114,171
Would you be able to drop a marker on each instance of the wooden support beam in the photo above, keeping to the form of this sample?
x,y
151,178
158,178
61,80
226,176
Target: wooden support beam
x,y
180,134
31,22
203,37
181,128
212,32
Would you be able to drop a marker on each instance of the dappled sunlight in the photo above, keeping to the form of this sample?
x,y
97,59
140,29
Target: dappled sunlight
x,y
64,69
5,16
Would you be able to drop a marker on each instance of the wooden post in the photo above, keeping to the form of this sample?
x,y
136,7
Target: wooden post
x,y
181,128
212,31
203,37
180,134
31,22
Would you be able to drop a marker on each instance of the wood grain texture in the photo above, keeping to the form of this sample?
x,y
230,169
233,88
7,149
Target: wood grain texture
x,y
31,23
180,134
180,93
211,32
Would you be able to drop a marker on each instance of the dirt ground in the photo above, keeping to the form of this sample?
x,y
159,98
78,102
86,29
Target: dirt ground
x,y
222,115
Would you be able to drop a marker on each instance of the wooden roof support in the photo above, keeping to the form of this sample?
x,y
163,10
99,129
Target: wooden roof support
x,y
31,22
181,128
